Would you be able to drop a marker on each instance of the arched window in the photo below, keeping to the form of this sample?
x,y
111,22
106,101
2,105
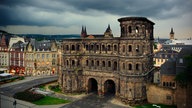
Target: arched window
x,y
87,47
73,62
123,66
67,62
73,47
87,62
78,47
103,47
137,48
91,47
130,48
109,63
97,47
137,67
92,63
103,63
67,47
137,29
130,29
97,63
115,65
130,66
109,48
115,47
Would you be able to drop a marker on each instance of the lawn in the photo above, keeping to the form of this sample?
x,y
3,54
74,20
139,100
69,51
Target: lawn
x,y
154,106
47,100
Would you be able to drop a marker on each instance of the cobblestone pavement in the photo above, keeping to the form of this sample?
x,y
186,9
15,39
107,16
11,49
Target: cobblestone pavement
x,y
94,101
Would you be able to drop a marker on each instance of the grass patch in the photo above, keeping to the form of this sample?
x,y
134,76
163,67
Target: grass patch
x,y
42,87
47,100
55,88
151,106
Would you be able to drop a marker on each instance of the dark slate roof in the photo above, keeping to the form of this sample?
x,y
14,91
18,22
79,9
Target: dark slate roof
x,y
168,68
181,66
41,45
18,46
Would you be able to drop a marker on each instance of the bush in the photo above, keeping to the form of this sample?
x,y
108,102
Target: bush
x,y
28,96
55,88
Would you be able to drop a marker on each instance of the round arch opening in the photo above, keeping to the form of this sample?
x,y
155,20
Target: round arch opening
x,y
109,87
92,85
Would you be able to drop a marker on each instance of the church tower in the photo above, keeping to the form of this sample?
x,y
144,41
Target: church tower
x,y
171,34
83,32
108,32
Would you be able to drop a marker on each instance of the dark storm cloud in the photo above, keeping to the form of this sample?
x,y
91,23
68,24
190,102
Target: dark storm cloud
x,y
30,12
149,8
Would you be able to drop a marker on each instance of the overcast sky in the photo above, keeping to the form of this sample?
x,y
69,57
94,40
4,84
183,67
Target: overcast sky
x,y
68,16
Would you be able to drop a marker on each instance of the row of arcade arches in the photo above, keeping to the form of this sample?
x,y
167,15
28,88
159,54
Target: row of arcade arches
x,y
109,86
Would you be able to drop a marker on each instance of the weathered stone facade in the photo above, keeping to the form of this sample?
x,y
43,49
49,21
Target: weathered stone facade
x,y
120,65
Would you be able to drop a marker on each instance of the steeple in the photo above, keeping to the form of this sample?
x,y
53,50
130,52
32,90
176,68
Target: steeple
x,y
171,34
83,32
108,32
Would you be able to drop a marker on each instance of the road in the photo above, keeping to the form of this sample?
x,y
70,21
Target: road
x,y
12,89
90,101
94,101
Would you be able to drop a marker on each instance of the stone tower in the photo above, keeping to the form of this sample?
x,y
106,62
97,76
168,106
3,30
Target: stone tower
x,y
121,66
171,34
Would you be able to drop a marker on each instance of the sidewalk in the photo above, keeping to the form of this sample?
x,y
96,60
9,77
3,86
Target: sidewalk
x,y
21,81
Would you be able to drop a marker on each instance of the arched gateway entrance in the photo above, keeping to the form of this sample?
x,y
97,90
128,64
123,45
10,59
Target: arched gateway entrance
x,y
92,85
109,87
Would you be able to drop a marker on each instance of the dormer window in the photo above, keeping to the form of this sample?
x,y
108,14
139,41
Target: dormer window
x,y
180,60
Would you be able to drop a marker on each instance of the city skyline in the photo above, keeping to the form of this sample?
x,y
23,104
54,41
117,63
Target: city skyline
x,y
67,17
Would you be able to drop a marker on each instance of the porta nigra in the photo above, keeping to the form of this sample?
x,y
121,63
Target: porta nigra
x,y
104,64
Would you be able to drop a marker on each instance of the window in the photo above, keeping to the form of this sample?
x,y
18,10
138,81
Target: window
x,y
78,47
67,62
73,47
168,97
137,29
103,47
130,48
129,29
103,63
67,47
115,47
109,63
47,56
97,63
87,62
43,56
137,48
123,66
180,60
137,66
92,63
97,47
109,48
73,62
130,66
87,47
